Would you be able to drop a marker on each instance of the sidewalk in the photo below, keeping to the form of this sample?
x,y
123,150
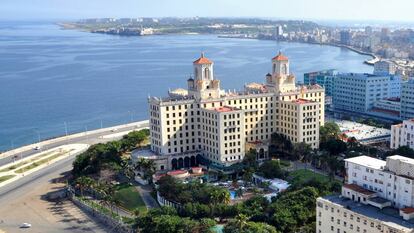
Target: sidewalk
x,y
145,192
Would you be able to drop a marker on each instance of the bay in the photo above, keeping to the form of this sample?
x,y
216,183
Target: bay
x,y
49,76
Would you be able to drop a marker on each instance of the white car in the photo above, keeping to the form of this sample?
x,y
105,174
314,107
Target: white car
x,y
114,130
25,225
37,148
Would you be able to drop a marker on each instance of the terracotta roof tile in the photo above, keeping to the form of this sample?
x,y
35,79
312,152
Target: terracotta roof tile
x,y
280,57
202,60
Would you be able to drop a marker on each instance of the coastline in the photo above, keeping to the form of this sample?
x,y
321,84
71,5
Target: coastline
x,y
369,62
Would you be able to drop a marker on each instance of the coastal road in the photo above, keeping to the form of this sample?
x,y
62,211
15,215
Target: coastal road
x,y
24,201
88,137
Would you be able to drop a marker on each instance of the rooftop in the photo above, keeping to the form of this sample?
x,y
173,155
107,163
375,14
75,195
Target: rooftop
x,y
367,161
402,159
302,101
358,189
202,60
224,109
362,132
408,210
388,215
280,57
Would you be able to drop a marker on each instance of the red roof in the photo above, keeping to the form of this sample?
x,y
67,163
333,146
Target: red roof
x,y
408,210
202,60
358,189
177,172
302,101
280,57
223,109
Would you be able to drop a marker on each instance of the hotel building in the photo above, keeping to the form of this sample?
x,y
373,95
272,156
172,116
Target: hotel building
x,y
204,124
378,196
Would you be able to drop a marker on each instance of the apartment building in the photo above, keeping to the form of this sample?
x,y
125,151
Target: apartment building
x,y
205,124
356,92
407,100
378,196
402,134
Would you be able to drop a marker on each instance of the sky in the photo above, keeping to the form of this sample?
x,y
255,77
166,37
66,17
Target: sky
x,y
389,10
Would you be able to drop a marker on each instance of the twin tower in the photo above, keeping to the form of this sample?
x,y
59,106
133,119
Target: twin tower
x,y
204,86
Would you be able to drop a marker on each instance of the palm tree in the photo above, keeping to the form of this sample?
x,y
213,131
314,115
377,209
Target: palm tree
x,y
241,221
147,166
83,183
224,197
239,192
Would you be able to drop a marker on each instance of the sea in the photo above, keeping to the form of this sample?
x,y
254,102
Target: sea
x,y
51,78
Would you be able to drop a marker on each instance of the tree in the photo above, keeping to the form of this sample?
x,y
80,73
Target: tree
x,y
329,131
334,146
241,221
293,210
272,169
352,143
403,151
301,150
281,143
83,183
241,225
147,167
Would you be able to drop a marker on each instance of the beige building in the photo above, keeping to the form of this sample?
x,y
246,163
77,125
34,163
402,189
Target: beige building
x,y
205,124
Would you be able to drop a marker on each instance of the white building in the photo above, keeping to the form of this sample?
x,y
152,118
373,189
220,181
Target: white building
x,y
204,124
402,134
407,100
378,196
357,92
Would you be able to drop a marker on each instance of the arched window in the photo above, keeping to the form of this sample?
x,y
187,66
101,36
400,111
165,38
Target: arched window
x,y
196,73
284,69
274,68
206,73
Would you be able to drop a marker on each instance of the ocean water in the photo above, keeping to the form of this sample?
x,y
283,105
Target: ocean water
x,y
49,76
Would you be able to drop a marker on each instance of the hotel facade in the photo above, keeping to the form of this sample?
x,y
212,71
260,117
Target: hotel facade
x,y
205,124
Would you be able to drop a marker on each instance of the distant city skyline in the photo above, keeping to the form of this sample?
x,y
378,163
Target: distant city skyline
x,y
398,10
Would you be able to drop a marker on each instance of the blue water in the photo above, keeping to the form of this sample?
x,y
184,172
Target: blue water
x,y
232,195
49,76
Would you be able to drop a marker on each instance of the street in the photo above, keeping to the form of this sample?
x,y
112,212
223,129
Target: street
x,y
24,200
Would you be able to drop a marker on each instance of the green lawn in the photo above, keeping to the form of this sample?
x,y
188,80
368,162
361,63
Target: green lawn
x,y
303,175
130,198
4,178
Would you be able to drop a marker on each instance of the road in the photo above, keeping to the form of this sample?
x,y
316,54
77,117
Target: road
x,y
24,199
89,137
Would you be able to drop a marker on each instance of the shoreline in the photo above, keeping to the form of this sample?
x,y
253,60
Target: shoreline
x,y
60,138
370,62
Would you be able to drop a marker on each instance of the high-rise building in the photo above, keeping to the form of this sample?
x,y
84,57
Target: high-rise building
x,y
205,124
323,78
279,31
358,92
407,100
345,37
402,134
378,196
